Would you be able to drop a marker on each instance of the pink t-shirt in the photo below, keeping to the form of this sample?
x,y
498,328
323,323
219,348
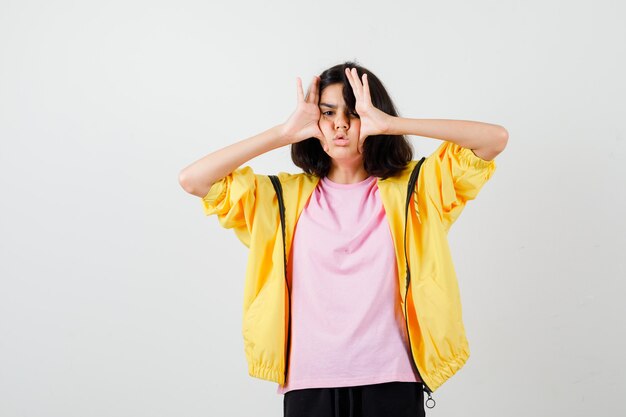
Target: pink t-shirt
x,y
347,326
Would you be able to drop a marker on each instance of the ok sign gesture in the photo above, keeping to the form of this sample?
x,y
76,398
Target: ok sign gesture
x,y
373,121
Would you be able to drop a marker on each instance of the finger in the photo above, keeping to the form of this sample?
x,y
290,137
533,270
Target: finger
x,y
310,95
318,80
351,81
313,96
366,89
299,88
357,81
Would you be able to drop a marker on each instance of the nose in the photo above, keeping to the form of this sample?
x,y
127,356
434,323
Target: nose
x,y
341,121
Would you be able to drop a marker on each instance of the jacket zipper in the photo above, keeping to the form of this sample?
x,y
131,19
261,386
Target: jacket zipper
x,y
281,206
408,279
406,320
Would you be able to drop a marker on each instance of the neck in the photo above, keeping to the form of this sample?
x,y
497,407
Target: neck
x,y
347,173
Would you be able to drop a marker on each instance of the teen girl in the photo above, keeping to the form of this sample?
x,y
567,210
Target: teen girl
x,y
363,316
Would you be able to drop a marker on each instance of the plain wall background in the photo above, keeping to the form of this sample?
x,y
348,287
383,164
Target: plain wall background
x,y
119,298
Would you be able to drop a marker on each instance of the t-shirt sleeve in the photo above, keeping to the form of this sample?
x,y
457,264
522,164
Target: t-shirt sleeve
x,y
454,175
233,199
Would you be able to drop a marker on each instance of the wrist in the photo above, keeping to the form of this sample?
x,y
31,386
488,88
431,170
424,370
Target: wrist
x,y
282,137
393,126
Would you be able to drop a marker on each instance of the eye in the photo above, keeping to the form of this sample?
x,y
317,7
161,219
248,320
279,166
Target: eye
x,y
328,112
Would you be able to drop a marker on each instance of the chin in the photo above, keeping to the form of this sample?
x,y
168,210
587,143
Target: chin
x,y
347,153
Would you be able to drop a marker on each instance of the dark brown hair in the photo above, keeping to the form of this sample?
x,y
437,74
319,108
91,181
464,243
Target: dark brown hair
x,y
383,155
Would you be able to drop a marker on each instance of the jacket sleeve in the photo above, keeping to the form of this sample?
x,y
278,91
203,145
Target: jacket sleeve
x,y
453,176
233,199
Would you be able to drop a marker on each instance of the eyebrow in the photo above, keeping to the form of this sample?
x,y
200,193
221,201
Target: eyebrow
x,y
332,106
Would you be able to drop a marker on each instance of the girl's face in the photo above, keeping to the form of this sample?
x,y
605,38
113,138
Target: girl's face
x,y
337,120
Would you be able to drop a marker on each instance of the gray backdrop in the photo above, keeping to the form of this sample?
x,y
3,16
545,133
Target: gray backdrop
x,y
119,298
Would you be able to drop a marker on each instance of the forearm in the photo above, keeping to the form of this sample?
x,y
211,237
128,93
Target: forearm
x,y
465,133
198,177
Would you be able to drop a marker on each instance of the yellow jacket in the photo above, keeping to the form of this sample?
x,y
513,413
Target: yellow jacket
x,y
448,178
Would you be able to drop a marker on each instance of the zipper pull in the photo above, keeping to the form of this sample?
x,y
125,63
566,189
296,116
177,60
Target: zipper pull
x,y
430,397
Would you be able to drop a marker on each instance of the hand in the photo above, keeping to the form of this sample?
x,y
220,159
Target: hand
x,y
373,121
303,123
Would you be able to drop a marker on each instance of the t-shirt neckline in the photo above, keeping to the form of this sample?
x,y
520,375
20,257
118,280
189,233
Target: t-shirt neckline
x,y
333,184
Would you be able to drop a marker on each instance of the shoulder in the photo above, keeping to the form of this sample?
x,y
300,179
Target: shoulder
x,y
403,176
297,180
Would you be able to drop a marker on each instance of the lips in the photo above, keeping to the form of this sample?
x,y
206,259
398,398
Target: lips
x,y
341,142
340,136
